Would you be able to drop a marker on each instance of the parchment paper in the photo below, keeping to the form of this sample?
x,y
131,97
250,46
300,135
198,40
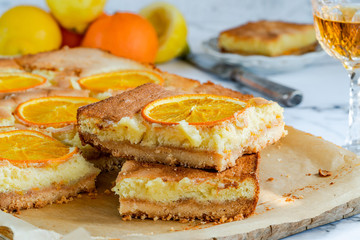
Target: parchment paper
x,y
292,195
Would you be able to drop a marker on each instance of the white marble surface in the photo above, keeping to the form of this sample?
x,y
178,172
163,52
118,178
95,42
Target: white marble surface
x,y
323,111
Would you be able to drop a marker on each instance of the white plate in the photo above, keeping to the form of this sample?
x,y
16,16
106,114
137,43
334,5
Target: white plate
x,y
267,65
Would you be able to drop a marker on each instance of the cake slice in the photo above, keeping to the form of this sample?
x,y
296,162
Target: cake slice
x,y
148,190
40,170
10,109
120,125
269,38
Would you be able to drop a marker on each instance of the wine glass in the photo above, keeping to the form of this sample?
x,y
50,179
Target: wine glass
x,y
337,26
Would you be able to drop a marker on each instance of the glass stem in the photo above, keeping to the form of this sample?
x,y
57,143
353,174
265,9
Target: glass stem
x,y
353,140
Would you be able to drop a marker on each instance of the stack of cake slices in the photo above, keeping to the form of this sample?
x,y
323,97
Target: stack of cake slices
x,y
189,155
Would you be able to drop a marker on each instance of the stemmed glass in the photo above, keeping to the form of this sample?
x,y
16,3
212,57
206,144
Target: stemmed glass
x,y
337,25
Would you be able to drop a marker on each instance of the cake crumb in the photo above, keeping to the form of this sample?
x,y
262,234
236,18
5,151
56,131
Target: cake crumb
x,y
308,174
127,218
107,192
270,179
324,173
156,218
223,219
93,194
331,183
64,200
172,229
298,197
184,220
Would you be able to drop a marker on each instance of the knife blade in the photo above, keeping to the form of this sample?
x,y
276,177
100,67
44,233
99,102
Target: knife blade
x,y
284,95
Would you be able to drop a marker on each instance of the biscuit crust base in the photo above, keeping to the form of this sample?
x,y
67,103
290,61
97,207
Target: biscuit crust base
x,y
188,209
177,156
161,154
14,201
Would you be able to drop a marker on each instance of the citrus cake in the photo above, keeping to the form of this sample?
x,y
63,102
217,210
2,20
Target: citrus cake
x,y
150,123
150,190
269,38
53,111
40,170
89,68
79,72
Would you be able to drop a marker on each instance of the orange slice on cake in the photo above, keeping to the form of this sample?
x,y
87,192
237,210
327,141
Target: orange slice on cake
x,y
51,111
195,109
121,80
12,82
27,148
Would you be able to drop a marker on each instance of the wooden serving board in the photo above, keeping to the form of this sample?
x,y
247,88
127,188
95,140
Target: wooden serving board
x,y
293,198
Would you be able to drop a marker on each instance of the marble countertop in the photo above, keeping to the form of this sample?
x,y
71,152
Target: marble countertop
x,y
323,111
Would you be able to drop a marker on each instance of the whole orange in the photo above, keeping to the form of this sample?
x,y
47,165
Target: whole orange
x,y
123,34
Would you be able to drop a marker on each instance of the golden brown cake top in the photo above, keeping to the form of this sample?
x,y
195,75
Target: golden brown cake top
x,y
215,89
9,64
126,104
83,61
179,83
266,30
245,166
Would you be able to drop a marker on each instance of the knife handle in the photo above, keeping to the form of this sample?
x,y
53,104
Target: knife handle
x,y
286,96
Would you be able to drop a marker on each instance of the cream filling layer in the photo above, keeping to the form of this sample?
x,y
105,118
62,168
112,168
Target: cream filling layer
x,y
160,191
230,135
13,178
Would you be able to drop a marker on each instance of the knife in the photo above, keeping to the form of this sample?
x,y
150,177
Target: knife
x,y
284,95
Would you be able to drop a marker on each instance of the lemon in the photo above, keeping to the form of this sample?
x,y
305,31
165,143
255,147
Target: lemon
x,y
28,29
171,29
76,15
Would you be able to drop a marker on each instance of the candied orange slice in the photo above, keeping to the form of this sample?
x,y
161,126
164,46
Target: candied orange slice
x,y
195,109
121,80
51,111
27,148
11,82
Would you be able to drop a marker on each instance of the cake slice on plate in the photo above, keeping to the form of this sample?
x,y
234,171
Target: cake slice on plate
x,y
148,190
269,38
152,124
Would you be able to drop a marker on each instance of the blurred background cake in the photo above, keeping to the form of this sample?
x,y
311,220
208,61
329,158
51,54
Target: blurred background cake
x,y
269,38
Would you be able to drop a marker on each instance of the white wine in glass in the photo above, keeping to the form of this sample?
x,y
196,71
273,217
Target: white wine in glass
x,y
337,25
